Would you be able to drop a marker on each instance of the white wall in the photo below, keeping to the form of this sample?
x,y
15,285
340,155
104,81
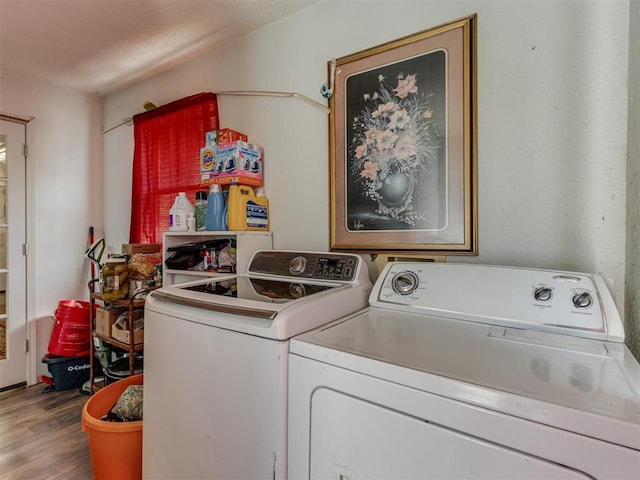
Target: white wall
x,y
66,160
552,110
632,294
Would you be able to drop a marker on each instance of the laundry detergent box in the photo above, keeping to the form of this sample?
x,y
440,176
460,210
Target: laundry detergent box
x,y
223,135
207,164
237,162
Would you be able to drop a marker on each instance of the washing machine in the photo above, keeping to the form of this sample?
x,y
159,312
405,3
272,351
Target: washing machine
x,y
468,371
216,362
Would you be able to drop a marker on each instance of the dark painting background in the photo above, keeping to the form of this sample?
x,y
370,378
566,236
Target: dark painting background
x,y
430,193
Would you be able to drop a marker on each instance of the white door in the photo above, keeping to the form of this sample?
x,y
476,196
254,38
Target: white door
x,y
13,356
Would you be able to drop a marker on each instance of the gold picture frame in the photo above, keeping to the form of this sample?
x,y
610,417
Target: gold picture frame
x,y
402,143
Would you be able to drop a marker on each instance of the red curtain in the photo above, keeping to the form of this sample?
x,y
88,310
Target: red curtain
x,y
166,161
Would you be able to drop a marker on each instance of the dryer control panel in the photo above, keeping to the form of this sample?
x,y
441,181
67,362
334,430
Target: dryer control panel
x,y
576,304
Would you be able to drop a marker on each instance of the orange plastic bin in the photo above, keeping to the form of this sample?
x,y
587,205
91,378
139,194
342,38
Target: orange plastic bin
x,y
115,447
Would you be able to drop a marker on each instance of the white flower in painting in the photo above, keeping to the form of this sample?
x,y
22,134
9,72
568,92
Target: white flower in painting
x,y
405,148
387,140
371,136
384,110
399,119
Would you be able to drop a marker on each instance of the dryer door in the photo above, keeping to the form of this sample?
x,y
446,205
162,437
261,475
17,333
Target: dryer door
x,y
355,438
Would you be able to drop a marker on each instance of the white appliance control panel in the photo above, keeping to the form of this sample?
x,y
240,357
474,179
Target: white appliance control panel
x,y
576,304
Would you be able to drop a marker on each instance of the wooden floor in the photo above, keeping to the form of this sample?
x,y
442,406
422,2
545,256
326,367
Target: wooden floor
x,y
41,436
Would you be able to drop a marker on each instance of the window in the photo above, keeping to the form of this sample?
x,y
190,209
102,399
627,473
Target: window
x,y
166,161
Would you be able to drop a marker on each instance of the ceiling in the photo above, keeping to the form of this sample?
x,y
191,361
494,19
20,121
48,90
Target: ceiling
x,y
99,46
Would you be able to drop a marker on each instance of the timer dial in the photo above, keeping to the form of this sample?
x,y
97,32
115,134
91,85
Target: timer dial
x,y
405,282
582,300
297,265
542,294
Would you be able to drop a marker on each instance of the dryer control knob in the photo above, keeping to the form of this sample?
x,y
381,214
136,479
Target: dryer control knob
x,y
542,294
297,265
582,300
405,282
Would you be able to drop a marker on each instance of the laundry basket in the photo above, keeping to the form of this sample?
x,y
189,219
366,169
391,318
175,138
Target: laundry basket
x,y
116,447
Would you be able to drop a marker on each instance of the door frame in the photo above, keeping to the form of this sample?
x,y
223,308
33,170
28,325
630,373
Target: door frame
x,y
31,373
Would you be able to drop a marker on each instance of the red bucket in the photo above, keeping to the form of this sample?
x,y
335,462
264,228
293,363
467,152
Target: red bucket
x,y
71,334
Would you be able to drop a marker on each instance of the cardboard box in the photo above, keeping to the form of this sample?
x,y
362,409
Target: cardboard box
x,y
122,334
234,162
131,248
210,138
120,329
228,135
207,161
105,318
223,135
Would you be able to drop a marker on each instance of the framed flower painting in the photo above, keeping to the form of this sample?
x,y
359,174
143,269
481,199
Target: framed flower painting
x,y
403,144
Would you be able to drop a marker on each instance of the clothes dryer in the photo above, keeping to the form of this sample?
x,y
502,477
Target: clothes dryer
x,y
468,371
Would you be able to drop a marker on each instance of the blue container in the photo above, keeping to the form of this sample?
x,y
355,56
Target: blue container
x,y
216,219
67,372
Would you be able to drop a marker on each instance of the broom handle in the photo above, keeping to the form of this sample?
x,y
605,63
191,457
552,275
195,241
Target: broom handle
x,y
93,268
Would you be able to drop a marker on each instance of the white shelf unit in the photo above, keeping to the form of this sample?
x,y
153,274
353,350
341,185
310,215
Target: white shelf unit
x,y
247,243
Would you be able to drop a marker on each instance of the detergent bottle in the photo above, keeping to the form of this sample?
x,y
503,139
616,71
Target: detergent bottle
x,y
216,218
179,213
263,201
246,210
201,210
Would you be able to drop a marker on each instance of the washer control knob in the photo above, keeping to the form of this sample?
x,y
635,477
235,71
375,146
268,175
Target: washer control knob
x,y
297,290
542,294
582,300
297,265
405,282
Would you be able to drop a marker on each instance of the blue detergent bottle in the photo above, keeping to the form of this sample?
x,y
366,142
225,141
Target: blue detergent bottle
x,y
216,219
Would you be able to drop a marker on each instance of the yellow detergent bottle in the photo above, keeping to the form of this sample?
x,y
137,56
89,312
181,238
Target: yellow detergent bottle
x,y
246,210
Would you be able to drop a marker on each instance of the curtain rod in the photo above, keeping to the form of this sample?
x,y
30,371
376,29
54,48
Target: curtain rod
x,y
277,94
128,121
15,119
